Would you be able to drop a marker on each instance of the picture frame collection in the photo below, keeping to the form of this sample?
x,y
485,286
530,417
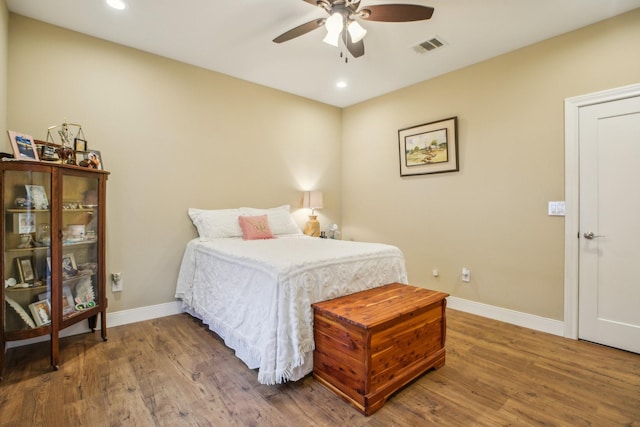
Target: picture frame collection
x,y
25,147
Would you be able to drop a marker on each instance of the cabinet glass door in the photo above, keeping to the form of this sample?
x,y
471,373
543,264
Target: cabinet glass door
x,y
80,219
27,252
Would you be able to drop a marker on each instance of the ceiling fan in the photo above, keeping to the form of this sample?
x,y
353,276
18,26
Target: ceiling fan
x,y
342,22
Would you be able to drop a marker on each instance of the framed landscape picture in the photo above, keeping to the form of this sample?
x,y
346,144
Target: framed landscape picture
x,y
24,147
429,148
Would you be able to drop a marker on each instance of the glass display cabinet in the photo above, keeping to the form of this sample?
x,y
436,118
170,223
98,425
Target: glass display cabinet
x,y
53,246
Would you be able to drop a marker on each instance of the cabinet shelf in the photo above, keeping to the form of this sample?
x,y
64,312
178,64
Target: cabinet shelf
x,y
73,279
24,210
80,243
28,333
91,209
39,288
27,250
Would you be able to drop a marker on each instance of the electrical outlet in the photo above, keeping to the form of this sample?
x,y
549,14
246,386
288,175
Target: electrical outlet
x,y
116,282
466,274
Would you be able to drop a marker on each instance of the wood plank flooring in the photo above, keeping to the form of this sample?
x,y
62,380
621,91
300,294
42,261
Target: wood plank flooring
x,y
173,372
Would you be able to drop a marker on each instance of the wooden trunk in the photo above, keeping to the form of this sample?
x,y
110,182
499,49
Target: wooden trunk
x,y
371,343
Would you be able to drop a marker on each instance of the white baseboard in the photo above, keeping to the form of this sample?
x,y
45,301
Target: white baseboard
x,y
531,321
119,318
143,313
114,319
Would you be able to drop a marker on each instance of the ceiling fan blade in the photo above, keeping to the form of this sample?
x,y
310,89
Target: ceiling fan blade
x,y
396,12
300,30
355,49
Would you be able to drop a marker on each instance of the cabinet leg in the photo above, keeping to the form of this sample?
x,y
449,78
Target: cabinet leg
x,y
92,323
103,325
55,346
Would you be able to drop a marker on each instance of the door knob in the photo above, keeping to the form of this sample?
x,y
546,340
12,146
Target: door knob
x,y
591,236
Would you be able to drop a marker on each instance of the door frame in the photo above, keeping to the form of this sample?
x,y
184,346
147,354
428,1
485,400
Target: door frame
x,y
572,195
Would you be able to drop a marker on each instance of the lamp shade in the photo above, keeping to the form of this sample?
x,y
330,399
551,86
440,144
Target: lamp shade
x,y
356,31
312,199
334,25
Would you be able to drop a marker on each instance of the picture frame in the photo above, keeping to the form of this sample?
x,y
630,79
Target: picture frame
x,y
46,151
80,144
37,195
24,146
69,267
41,312
24,223
68,304
89,159
26,273
429,148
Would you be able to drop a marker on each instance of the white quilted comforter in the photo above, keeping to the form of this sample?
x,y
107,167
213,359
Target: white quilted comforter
x,y
257,294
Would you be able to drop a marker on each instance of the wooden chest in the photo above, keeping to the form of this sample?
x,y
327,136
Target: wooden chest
x,y
371,343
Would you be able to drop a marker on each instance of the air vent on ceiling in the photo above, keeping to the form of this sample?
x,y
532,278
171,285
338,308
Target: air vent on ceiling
x,y
430,45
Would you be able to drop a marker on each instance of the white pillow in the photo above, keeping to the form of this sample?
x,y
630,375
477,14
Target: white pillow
x,y
216,224
280,220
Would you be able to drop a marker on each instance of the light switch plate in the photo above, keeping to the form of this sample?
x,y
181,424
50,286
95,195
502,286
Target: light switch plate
x,y
556,208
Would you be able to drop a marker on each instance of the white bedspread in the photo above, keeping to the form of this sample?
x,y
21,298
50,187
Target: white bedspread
x,y
257,294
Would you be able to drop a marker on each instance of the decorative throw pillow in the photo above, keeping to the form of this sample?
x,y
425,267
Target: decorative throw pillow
x,y
216,224
255,227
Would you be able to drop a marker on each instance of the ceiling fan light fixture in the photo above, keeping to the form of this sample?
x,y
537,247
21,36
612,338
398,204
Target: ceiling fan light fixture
x,y
356,31
334,26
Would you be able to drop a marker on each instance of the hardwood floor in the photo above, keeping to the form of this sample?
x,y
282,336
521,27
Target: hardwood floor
x,y
173,372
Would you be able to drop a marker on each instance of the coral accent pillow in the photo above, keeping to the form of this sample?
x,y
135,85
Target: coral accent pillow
x,y
255,227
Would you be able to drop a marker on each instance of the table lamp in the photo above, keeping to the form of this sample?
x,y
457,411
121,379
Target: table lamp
x,y
313,201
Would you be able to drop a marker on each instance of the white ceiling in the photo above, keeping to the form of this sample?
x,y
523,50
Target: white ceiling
x,y
234,37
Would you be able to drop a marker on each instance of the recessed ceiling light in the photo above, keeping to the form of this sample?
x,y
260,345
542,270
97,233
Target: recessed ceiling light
x,y
341,84
117,4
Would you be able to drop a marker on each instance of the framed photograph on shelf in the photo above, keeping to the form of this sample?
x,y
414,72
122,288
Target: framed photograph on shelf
x,y
25,269
37,195
41,311
429,148
68,304
24,147
79,144
69,267
89,159
24,223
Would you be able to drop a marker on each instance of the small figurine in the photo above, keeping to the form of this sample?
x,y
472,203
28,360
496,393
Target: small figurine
x,y
65,135
25,241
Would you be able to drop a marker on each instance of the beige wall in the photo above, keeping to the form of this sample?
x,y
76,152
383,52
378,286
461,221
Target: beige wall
x,y
173,136
176,136
4,37
492,215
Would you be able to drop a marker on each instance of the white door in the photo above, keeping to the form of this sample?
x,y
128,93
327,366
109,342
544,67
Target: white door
x,y
609,223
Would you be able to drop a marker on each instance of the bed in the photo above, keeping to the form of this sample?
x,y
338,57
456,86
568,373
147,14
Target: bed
x,y
256,293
